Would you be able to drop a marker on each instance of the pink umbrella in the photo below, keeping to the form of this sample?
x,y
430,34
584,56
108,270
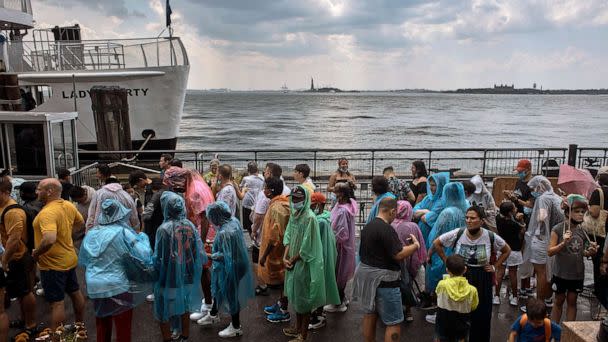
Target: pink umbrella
x,y
576,181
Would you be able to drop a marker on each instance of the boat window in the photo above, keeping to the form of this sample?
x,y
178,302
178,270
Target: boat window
x,y
63,150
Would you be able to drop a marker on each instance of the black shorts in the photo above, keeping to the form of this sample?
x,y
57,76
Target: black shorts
x,y
20,277
57,283
561,286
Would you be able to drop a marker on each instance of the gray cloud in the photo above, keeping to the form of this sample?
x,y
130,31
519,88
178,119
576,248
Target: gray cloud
x,y
115,8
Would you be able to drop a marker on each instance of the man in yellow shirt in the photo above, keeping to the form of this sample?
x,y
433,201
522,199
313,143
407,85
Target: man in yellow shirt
x,y
17,263
54,251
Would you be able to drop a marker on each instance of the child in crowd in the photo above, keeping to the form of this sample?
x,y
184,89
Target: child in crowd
x,y
534,325
456,298
511,227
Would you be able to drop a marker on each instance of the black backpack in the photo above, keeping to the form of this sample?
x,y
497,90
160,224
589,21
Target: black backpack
x,y
30,215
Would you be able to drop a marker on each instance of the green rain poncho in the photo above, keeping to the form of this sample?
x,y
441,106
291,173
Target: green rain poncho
x,y
330,256
305,282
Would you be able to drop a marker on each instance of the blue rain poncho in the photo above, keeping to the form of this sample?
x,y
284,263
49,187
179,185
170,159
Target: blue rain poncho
x,y
450,218
104,251
373,212
178,258
433,201
231,276
305,282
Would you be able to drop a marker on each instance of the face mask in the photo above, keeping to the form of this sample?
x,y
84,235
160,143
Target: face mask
x,y
535,194
521,175
527,211
298,205
343,169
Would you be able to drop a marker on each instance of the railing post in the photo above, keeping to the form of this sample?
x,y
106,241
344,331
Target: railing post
x,y
255,157
572,152
430,160
483,168
315,166
373,163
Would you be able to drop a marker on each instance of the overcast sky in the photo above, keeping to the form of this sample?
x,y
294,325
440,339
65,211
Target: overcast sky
x,y
364,44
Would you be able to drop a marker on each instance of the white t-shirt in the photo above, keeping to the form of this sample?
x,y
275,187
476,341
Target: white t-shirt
x,y
475,252
261,203
228,195
253,183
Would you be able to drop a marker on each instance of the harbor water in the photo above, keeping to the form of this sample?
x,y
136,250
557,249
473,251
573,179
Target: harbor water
x,y
275,120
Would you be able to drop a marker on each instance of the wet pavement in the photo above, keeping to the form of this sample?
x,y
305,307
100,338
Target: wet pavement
x,y
340,326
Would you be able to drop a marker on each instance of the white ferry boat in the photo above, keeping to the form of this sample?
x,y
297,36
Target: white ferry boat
x,y
59,68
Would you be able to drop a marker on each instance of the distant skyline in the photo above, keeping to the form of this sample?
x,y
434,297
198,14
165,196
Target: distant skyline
x,y
363,44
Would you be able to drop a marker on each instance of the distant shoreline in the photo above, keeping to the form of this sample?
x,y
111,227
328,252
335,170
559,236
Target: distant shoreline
x,y
491,91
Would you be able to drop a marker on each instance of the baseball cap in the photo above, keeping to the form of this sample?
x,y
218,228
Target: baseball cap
x,y
523,164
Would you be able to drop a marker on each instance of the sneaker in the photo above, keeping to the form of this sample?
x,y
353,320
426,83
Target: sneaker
x,y
335,308
530,291
195,316
278,317
431,318
208,320
230,331
549,303
317,322
523,294
269,310
150,297
40,291
291,332
513,300
523,309
496,300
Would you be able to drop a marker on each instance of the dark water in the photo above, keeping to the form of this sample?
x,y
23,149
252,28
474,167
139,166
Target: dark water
x,y
246,120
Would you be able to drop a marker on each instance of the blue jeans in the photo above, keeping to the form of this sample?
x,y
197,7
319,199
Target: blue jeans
x,y
388,305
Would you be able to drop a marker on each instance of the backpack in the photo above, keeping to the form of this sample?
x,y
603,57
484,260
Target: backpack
x,y
492,250
30,214
524,320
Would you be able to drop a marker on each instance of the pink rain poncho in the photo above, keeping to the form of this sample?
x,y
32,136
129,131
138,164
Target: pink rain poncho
x,y
404,226
197,193
343,225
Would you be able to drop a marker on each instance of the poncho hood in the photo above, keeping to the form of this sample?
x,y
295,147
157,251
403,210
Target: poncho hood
x,y
114,217
404,212
173,206
218,213
441,179
114,187
457,288
540,184
479,185
454,196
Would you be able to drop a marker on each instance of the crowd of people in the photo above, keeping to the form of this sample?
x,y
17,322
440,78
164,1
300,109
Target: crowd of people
x,y
201,245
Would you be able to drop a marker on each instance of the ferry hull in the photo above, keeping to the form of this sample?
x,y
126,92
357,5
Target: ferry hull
x,y
155,96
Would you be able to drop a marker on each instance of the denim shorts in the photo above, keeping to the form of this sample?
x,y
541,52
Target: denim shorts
x,y
388,305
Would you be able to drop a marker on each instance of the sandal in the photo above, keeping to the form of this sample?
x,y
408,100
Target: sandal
x,y
45,335
23,336
81,332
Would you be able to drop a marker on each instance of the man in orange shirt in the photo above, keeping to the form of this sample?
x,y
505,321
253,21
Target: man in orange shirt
x,y
16,260
54,251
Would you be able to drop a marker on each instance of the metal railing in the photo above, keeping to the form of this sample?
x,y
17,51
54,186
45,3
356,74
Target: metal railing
x,y
489,163
592,158
49,55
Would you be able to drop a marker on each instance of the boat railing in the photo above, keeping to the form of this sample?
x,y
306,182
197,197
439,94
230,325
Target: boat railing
x,y
50,55
24,6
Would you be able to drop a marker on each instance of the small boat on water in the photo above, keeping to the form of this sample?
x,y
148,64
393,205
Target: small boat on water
x,y
284,88
59,68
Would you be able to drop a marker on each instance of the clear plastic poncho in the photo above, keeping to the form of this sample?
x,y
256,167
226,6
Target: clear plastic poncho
x,y
305,282
483,198
433,201
343,218
328,241
231,276
546,214
178,258
450,218
103,254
